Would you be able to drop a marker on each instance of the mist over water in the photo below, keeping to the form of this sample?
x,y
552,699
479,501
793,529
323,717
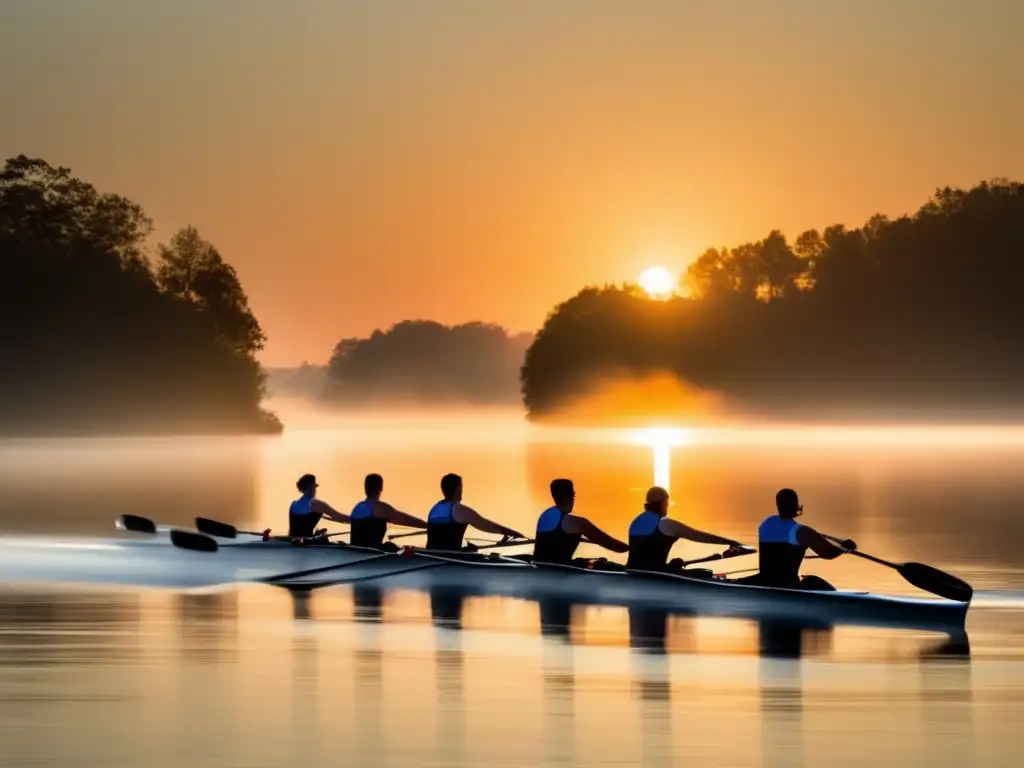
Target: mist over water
x,y
251,676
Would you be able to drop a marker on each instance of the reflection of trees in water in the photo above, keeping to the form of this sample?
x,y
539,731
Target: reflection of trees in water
x,y
47,628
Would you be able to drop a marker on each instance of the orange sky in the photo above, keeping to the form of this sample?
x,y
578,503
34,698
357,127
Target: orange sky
x,y
364,162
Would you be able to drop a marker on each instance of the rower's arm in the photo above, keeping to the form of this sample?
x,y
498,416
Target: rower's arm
x,y
329,512
593,534
822,547
470,516
680,531
392,515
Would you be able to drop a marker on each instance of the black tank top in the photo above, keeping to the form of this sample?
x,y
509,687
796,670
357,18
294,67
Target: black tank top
x,y
648,546
302,526
779,552
443,531
551,543
367,530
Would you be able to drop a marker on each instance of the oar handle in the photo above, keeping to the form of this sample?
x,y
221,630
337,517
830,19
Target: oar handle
x,y
721,556
858,553
403,535
515,543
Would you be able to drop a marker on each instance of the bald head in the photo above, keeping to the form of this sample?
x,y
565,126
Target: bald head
x,y
656,500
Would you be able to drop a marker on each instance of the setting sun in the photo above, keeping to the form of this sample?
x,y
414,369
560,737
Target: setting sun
x,y
657,281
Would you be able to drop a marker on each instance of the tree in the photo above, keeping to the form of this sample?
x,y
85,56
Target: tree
x,y
914,315
192,270
40,203
90,341
427,362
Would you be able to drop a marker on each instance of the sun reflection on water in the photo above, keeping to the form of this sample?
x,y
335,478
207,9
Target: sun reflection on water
x,y
661,441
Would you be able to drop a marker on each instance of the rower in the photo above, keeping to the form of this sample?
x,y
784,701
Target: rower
x,y
307,510
783,542
448,519
559,531
652,534
371,516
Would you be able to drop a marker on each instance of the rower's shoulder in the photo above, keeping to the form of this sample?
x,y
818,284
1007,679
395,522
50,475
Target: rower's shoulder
x,y
461,506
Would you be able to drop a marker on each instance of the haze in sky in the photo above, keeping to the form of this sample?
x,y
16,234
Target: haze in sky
x,y
361,163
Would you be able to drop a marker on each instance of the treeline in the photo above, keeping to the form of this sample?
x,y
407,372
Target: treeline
x,y
423,362
916,316
97,335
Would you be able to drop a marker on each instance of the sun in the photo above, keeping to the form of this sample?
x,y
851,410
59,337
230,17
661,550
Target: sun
x,y
658,282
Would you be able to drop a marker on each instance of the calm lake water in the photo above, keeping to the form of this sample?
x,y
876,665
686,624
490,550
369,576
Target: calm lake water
x,y
251,676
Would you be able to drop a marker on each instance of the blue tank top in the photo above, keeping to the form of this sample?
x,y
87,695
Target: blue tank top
x,y
301,506
778,530
362,509
549,520
441,512
644,524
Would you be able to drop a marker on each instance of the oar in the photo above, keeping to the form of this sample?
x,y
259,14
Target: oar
x,y
194,541
135,523
325,568
224,530
403,535
505,542
227,531
922,576
515,543
720,556
198,542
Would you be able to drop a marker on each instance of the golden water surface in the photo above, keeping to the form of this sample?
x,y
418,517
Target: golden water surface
x,y
252,676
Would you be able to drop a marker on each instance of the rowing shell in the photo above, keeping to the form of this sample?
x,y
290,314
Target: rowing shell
x,y
312,567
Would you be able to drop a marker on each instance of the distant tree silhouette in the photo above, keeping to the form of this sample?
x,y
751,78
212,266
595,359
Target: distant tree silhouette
x,y
93,339
919,315
192,270
426,362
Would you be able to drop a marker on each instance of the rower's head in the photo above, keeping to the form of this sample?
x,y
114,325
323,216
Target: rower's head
x,y
451,487
373,485
788,503
307,485
657,501
563,494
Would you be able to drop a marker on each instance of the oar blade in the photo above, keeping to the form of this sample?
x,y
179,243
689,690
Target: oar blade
x,y
216,528
136,524
937,582
194,541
